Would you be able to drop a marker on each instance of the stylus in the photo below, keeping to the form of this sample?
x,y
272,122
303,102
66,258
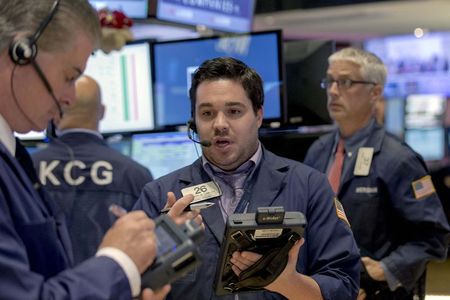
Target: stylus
x,y
193,206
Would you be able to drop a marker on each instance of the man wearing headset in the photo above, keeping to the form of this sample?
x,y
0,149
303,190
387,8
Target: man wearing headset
x,y
86,176
35,251
227,100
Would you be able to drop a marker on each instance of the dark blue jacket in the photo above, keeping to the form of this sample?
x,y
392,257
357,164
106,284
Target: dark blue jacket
x,y
85,176
329,254
388,222
35,248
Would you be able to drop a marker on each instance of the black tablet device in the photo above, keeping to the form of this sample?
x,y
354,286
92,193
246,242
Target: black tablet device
x,y
271,232
177,252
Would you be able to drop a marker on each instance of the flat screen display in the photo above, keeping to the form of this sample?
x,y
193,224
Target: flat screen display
x,y
164,152
429,142
306,65
174,62
423,69
224,15
132,8
125,80
394,112
424,110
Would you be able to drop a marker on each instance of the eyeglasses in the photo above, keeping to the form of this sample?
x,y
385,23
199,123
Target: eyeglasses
x,y
326,83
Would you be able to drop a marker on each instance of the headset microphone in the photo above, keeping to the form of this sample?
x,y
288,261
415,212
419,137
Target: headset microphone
x,y
47,86
191,128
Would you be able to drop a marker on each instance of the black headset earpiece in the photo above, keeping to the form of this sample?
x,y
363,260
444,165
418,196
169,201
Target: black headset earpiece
x,y
24,50
191,125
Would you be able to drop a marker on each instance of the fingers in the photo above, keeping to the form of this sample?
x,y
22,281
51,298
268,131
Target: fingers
x,y
160,294
361,295
171,199
179,206
293,253
243,260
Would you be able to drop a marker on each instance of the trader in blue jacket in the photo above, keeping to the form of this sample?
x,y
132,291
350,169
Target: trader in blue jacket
x,y
227,109
84,175
35,250
384,186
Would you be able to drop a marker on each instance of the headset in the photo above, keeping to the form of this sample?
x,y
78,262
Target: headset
x,y
192,128
24,50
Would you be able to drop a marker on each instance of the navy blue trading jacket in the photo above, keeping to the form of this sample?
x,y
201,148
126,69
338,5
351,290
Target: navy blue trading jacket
x,y
35,247
85,176
329,254
388,222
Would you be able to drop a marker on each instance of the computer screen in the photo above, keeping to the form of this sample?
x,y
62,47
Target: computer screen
x,y
132,8
175,61
423,69
164,152
394,112
120,143
224,15
424,110
428,142
306,65
125,81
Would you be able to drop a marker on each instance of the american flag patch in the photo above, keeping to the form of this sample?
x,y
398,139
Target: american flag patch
x,y
340,211
423,187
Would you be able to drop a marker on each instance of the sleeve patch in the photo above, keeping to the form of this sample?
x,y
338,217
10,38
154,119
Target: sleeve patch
x,y
423,187
340,211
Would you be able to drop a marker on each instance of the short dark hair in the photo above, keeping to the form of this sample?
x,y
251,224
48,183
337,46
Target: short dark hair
x,y
228,68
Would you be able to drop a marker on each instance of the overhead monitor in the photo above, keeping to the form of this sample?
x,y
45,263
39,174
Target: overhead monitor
x,y
224,15
424,110
126,85
137,9
164,152
428,142
175,61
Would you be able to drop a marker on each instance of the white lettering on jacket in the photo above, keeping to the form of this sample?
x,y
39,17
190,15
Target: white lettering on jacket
x,y
101,172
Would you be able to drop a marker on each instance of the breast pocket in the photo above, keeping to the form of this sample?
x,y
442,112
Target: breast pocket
x,y
363,207
44,250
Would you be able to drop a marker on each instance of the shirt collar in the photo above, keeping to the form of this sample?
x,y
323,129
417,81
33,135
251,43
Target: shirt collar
x,y
357,138
7,136
79,130
255,159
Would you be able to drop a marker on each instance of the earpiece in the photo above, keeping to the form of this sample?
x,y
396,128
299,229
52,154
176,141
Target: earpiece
x,y
24,50
191,125
192,128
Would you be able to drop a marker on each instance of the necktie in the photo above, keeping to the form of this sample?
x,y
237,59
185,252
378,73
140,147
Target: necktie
x,y
334,176
25,161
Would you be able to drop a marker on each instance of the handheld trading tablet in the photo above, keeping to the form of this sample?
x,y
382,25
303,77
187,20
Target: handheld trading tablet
x,y
177,252
271,232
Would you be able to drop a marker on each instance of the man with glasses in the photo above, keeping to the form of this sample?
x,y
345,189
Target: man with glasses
x,y
384,186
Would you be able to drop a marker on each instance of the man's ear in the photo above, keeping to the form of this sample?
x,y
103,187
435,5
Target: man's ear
x,y
101,112
260,115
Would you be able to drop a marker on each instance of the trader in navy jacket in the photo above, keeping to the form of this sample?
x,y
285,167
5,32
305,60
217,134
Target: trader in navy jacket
x,y
389,198
44,46
227,107
84,175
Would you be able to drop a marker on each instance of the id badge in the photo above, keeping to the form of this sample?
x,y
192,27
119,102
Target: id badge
x,y
363,161
203,191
